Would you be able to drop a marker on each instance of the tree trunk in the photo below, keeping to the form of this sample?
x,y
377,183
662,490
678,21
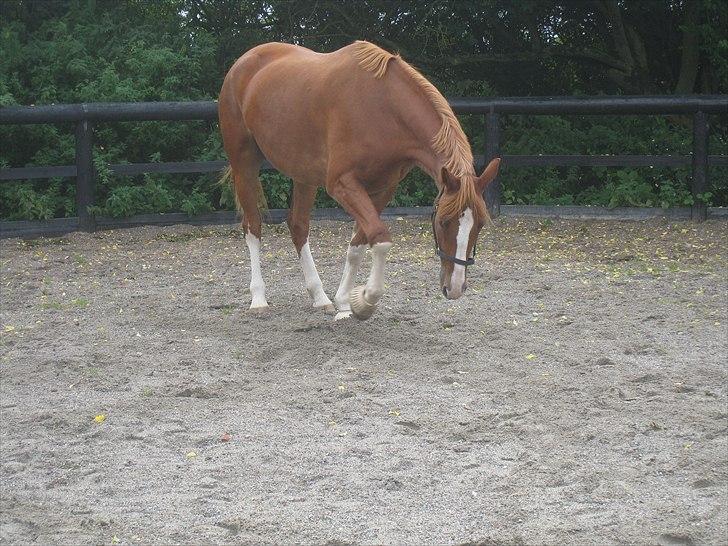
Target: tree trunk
x,y
690,59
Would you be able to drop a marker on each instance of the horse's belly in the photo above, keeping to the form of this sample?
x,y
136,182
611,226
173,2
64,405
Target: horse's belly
x,y
292,157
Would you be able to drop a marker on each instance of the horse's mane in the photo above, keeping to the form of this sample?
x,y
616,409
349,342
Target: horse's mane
x,y
449,141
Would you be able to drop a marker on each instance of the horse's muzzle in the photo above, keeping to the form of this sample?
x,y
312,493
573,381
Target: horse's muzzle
x,y
454,294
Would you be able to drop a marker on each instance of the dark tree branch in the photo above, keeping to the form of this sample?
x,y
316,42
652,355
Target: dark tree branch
x,y
530,56
612,11
690,57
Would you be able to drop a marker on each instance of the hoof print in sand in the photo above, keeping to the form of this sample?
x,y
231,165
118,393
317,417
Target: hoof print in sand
x,y
195,392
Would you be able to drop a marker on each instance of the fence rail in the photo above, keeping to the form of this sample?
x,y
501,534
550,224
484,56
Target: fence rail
x,y
86,115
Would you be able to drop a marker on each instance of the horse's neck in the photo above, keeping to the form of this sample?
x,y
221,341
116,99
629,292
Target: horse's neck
x,y
432,166
430,162
420,116
424,126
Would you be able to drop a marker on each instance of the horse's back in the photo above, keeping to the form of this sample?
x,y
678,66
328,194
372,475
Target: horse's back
x,y
303,107
237,80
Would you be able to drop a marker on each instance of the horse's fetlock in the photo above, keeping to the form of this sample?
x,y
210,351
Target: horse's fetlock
x,y
373,295
257,286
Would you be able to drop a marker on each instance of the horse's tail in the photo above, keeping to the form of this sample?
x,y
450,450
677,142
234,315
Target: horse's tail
x,y
228,178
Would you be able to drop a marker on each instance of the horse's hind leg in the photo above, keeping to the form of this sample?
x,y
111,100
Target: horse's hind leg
x,y
245,166
245,161
298,224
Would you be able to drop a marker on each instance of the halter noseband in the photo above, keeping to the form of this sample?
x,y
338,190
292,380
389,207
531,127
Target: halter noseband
x,y
440,253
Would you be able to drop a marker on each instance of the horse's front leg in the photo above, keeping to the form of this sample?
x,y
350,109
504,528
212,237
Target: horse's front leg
x,y
362,300
354,257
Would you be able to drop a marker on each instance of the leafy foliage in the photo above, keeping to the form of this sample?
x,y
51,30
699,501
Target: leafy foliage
x,y
66,51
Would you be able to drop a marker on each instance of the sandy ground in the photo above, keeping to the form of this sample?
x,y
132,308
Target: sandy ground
x,y
575,395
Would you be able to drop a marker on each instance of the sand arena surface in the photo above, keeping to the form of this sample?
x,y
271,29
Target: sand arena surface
x,y
575,395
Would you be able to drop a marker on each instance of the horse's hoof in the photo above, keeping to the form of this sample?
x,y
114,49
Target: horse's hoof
x,y
327,308
342,315
360,307
260,310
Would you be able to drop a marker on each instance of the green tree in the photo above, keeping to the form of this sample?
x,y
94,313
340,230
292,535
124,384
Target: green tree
x,y
64,51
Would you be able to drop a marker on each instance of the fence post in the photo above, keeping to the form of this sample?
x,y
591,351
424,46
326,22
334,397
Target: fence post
x,y
492,148
84,175
700,165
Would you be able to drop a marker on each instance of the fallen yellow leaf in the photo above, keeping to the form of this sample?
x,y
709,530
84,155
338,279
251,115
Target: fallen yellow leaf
x,y
100,418
530,356
191,455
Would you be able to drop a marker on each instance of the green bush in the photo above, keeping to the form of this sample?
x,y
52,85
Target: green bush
x,y
68,51
606,186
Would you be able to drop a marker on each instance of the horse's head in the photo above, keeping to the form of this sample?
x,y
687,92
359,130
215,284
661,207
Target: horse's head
x,y
457,219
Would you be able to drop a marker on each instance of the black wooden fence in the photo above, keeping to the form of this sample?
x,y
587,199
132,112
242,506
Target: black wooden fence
x,y
86,115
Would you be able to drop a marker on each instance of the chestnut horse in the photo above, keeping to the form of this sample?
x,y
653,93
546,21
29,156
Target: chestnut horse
x,y
355,121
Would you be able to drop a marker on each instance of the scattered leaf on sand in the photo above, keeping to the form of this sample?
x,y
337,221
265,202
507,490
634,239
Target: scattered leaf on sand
x,y
100,418
191,455
530,356
225,437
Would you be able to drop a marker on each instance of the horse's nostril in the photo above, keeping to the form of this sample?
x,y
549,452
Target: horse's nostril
x,y
444,291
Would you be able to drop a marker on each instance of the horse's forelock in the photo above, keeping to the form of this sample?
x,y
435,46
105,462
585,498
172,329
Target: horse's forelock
x,y
452,204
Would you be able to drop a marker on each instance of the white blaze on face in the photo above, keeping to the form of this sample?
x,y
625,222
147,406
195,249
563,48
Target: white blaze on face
x,y
458,272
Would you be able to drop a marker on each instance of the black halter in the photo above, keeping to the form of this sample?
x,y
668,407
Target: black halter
x,y
440,253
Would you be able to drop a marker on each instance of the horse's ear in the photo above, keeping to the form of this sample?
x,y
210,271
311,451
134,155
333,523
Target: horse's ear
x,y
489,174
451,183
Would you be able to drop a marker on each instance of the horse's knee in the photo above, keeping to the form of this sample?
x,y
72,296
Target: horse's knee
x,y
379,234
360,238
